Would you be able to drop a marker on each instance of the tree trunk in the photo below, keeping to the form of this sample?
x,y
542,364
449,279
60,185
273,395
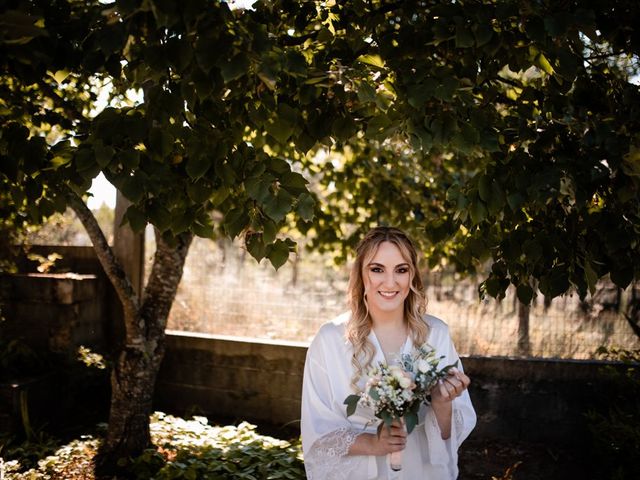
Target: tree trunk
x,y
524,344
134,373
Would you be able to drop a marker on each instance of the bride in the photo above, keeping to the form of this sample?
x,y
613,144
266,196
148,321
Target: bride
x,y
387,319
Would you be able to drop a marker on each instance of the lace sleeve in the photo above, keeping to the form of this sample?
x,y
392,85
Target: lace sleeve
x,y
328,460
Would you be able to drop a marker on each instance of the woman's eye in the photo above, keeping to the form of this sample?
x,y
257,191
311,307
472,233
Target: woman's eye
x,y
376,269
402,270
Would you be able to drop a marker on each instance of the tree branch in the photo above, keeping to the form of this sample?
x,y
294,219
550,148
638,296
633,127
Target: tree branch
x,y
112,268
166,273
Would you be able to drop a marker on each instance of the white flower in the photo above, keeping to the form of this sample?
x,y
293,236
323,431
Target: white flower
x,y
404,381
423,365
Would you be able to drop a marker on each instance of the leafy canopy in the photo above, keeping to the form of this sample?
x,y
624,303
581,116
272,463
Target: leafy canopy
x,y
492,131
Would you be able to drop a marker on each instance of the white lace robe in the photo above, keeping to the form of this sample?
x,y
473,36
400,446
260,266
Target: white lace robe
x,y
327,433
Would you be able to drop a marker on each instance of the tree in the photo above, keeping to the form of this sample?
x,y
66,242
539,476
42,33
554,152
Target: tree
x,y
493,131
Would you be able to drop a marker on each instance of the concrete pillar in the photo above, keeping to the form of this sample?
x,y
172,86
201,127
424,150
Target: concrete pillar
x,y
128,246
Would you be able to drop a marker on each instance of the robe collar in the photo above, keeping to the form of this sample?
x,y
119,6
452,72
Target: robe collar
x,y
407,347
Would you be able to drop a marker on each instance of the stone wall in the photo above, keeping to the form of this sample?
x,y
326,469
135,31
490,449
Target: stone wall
x,y
226,377
54,312
231,377
51,316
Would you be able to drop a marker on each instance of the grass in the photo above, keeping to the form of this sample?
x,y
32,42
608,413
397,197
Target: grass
x,y
224,291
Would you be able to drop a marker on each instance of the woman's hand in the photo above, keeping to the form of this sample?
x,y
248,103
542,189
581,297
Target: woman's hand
x,y
449,388
445,391
391,439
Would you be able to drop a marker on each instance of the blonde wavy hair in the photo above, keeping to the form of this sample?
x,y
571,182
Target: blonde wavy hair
x,y
359,324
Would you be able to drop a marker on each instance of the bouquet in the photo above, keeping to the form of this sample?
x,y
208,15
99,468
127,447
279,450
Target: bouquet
x,y
395,392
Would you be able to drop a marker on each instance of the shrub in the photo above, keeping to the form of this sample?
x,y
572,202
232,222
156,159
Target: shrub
x,y
184,449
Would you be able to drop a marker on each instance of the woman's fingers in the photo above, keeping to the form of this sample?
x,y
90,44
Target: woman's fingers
x,y
466,381
394,438
452,386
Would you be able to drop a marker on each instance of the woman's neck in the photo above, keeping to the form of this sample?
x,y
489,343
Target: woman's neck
x,y
387,320
391,333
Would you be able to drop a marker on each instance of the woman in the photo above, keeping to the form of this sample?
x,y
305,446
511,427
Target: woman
x,y
387,319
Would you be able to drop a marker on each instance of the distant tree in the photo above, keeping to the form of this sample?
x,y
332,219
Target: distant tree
x,y
504,132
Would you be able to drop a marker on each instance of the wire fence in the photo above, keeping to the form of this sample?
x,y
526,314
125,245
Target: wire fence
x,y
224,291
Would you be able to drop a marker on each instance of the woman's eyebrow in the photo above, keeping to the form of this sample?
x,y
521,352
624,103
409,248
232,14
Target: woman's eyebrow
x,y
376,264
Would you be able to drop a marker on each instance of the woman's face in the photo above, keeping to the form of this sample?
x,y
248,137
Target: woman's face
x,y
387,280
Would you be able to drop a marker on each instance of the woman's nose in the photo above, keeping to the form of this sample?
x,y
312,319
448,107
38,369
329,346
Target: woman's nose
x,y
389,280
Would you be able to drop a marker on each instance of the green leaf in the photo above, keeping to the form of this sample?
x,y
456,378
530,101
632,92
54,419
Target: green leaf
x,y
198,166
104,154
622,276
417,95
258,187
631,162
478,211
293,183
515,201
136,218
279,165
483,34
219,196
269,231
33,190
179,52
591,277
235,221
542,62
133,188
496,200
203,230
20,28
352,403
387,418
344,128
305,207
277,206
160,142
278,253
130,159
255,245
373,393
484,188
280,129
235,68
199,192
227,173
495,287
411,420
180,221
373,60
159,216
366,93
524,293
464,38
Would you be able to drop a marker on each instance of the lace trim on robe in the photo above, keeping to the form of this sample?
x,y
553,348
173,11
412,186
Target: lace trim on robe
x,y
459,424
328,459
